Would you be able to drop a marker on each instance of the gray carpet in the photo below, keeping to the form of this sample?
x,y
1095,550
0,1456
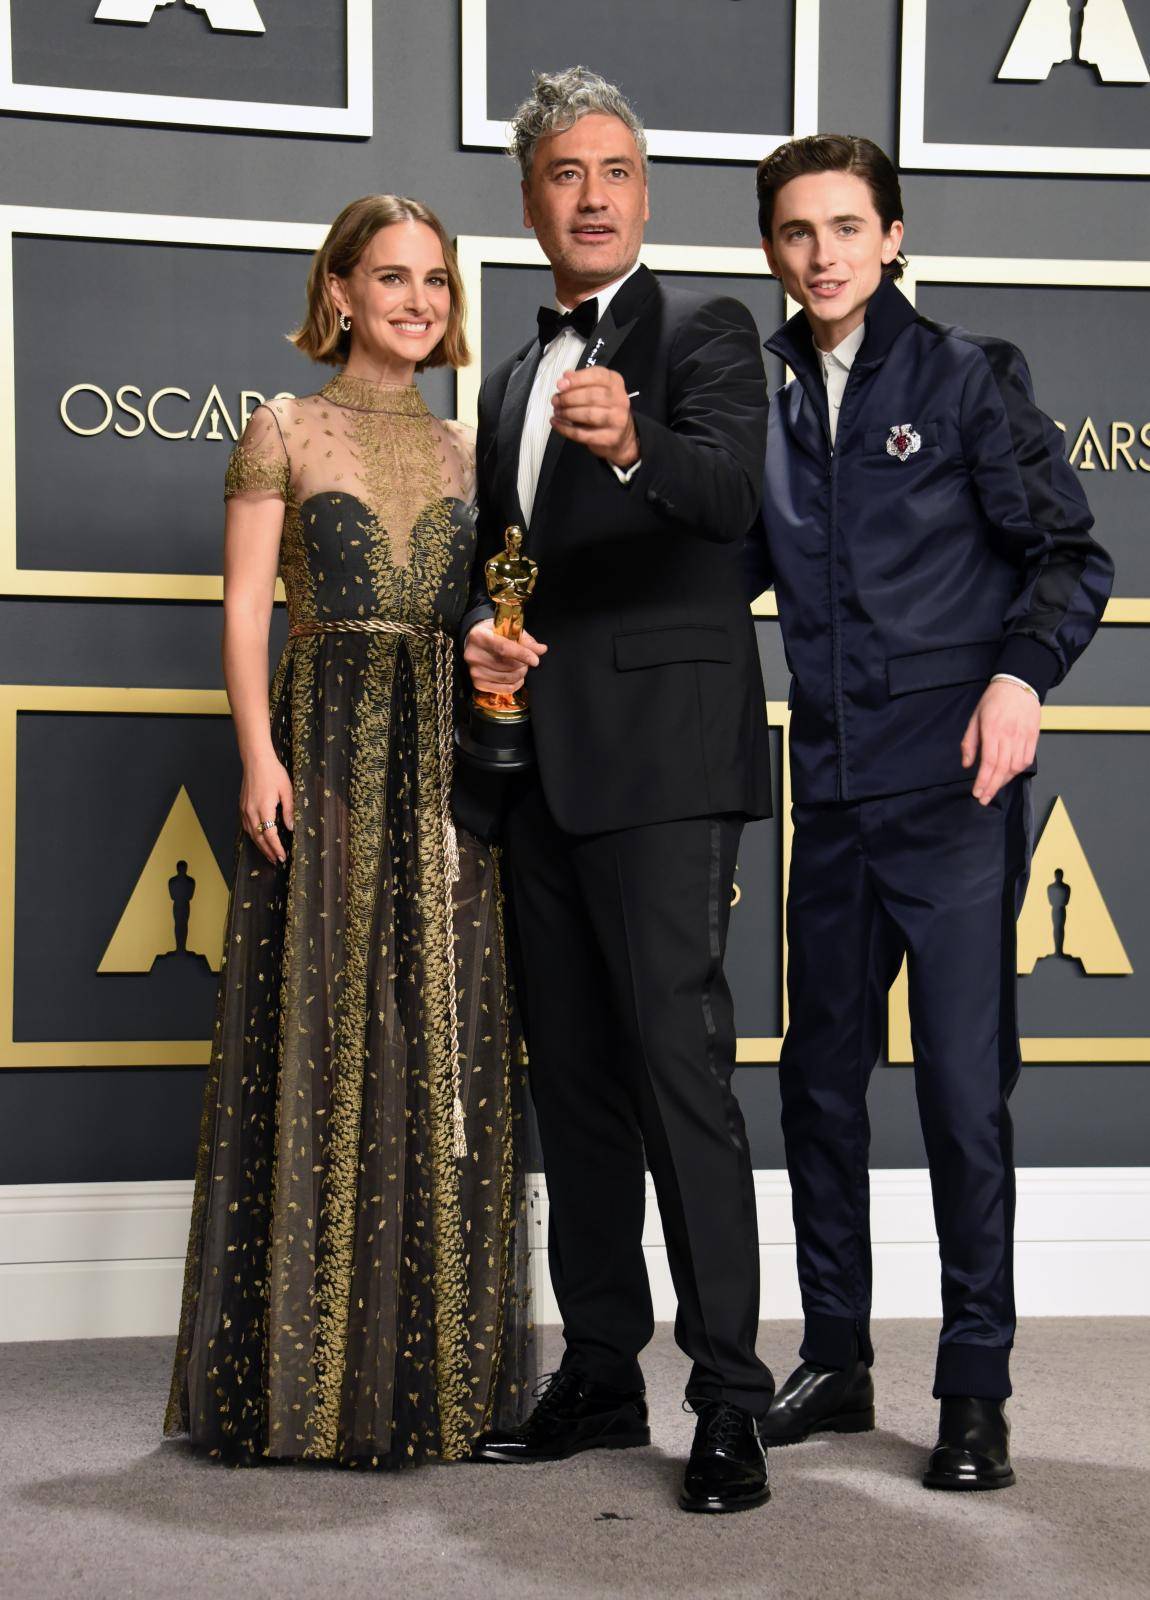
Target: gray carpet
x,y
93,1505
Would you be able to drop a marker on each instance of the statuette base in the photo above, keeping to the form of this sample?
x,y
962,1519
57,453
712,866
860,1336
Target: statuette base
x,y
499,745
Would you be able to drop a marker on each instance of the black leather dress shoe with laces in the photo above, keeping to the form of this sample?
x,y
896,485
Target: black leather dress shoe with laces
x,y
820,1400
973,1449
573,1414
727,1470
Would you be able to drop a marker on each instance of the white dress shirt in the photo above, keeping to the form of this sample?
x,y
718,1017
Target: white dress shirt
x,y
562,355
836,365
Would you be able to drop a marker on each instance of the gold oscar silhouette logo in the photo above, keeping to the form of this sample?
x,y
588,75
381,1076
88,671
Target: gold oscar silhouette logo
x,y
175,914
1064,926
225,16
1097,33
1064,918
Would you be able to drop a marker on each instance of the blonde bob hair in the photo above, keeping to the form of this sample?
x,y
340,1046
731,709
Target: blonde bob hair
x,y
320,335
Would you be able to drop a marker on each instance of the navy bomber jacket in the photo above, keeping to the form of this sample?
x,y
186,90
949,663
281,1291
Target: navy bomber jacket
x,y
943,539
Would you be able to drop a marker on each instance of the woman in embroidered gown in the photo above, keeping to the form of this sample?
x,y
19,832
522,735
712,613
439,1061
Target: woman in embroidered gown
x,y
355,1288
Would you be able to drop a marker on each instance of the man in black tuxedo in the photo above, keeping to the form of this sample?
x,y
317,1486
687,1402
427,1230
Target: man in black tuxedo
x,y
627,440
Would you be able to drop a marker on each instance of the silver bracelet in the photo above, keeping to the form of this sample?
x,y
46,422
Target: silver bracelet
x,y
1008,677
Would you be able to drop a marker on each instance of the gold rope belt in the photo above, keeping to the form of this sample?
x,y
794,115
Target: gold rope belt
x,y
443,649
417,630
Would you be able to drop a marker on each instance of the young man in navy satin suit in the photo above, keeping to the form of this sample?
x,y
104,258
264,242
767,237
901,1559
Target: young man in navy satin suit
x,y
931,553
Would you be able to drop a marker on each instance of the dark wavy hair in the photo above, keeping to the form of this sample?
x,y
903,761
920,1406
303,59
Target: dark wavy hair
x,y
833,152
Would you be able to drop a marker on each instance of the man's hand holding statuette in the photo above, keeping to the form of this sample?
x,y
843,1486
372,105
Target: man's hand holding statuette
x,y
498,665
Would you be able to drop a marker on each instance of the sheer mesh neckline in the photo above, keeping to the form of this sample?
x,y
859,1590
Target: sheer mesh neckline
x,y
364,394
384,467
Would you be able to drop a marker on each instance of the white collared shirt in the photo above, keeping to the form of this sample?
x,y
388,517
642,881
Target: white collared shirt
x,y
836,365
562,355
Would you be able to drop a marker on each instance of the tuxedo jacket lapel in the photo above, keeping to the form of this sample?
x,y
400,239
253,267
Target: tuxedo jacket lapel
x,y
510,431
602,347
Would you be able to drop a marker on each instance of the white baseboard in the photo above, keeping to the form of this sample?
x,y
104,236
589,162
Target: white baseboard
x,y
91,1260
98,1261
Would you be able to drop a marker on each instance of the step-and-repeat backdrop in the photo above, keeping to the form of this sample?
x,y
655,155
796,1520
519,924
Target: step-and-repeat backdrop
x,y
134,344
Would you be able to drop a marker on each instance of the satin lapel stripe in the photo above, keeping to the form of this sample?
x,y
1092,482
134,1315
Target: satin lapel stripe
x,y
510,429
604,343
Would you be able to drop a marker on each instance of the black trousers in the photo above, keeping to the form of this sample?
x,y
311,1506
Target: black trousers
x,y
631,1038
936,877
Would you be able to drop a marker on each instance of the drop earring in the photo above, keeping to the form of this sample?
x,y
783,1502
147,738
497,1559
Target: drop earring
x,y
345,322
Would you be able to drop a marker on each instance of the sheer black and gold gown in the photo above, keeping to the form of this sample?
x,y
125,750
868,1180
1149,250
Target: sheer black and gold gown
x,y
356,1284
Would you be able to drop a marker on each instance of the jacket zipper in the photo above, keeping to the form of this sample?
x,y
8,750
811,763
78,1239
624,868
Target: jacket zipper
x,y
833,596
823,414
836,628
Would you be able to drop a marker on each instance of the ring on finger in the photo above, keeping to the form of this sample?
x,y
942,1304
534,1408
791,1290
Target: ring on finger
x,y
264,826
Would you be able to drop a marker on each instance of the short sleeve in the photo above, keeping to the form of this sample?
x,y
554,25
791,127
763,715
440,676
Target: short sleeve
x,y
460,460
259,463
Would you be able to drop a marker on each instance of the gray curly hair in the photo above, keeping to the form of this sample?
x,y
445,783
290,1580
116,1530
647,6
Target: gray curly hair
x,y
556,103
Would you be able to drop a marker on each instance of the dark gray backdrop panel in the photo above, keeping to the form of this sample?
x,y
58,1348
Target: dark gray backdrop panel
x,y
966,103
1085,348
137,1124
100,642
119,1126
1064,1116
58,1126
154,316
77,865
719,67
1103,779
301,58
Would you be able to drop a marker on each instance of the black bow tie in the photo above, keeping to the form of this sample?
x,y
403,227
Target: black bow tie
x,y
582,320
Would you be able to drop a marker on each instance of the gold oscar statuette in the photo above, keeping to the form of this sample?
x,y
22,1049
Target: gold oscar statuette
x,y
497,734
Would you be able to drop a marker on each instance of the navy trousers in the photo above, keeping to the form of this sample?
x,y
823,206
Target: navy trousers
x,y
936,877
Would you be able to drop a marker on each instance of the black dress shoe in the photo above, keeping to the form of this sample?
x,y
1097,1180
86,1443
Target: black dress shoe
x,y
820,1400
973,1449
727,1470
573,1414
